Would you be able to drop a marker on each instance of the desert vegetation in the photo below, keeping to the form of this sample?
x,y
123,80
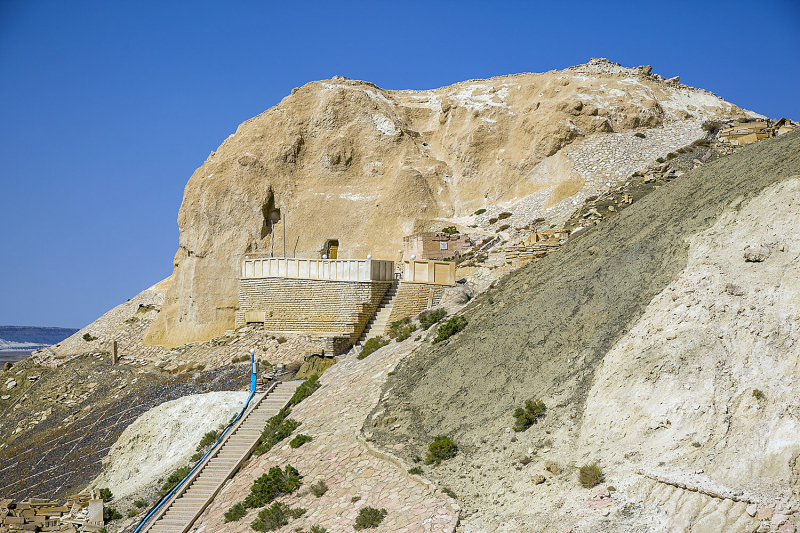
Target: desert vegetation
x,y
440,449
369,517
528,415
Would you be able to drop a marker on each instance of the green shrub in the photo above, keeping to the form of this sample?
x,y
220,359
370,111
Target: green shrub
x,y
354,499
503,227
235,513
132,513
449,492
88,337
660,160
209,438
671,155
319,488
305,390
299,440
396,326
196,457
316,528
415,470
281,340
429,318
275,516
529,415
702,142
278,428
402,333
109,513
174,478
480,211
371,345
369,517
140,503
758,395
440,449
492,220
105,495
696,444
504,215
271,485
639,134
450,230
590,475
711,125
450,328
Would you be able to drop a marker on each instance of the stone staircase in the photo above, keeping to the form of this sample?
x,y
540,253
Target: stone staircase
x,y
377,325
179,513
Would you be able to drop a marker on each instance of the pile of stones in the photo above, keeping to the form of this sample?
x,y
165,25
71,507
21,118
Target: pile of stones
x,y
82,512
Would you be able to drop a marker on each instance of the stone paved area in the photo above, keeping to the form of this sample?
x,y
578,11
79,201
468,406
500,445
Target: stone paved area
x,y
339,456
601,160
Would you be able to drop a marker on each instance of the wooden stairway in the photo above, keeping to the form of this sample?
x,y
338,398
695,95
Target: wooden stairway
x,y
377,324
179,513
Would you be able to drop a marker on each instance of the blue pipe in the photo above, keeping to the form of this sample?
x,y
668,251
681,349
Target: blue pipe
x,y
197,465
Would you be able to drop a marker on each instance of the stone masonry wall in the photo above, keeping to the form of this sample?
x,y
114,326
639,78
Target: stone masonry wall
x,y
413,298
311,306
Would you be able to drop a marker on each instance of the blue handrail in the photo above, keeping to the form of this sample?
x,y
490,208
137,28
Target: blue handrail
x,y
167,496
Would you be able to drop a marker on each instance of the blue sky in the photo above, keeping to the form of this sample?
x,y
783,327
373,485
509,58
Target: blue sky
x,y
107,107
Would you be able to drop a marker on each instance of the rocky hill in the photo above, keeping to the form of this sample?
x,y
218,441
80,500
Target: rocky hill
x,y
346,160
664,346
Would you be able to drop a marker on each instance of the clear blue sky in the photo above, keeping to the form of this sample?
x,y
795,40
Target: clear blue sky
x,y
109,106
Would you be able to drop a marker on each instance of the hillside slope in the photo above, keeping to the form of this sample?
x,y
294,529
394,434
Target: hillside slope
x,y
661,389
346,160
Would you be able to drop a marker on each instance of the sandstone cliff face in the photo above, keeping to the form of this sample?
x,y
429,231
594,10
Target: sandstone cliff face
x,y
345,160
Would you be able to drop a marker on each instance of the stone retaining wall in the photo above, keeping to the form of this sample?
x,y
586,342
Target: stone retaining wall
x,y
311,306
413,298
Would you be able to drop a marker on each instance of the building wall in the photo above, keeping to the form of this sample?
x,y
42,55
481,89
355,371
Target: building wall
x,y
428,245
315,307
413,298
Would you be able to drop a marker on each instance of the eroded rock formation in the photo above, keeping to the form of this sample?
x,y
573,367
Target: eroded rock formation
x,y
346,160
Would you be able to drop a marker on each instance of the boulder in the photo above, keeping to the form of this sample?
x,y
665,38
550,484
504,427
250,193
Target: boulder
x,y
756,253
552,467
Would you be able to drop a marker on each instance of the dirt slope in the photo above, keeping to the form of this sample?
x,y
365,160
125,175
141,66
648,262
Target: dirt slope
x,y
544,331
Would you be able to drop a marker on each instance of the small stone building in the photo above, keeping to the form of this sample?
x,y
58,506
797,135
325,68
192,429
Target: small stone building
x,y
435,245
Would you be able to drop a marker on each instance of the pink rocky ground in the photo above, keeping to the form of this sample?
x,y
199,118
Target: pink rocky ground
x,y
339,456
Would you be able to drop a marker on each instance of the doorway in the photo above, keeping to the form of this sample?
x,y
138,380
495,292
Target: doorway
x,y
331,248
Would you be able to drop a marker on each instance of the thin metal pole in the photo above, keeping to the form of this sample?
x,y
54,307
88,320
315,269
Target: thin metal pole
x,y
284,235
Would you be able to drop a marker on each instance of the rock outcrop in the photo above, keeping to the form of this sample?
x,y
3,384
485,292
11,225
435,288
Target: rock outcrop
x,y
346,160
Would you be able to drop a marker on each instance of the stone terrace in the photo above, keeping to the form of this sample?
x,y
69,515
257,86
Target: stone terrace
x,y
338,454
